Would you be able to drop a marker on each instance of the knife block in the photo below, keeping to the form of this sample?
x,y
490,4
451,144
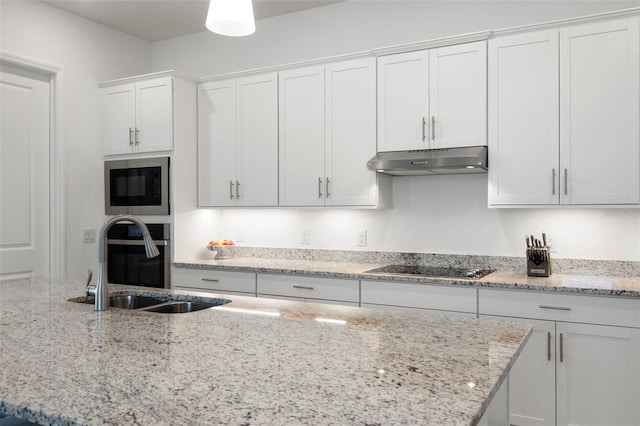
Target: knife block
x,y
538,262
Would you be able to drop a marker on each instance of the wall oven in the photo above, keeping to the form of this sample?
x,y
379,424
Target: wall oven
x,y
137,186
126,259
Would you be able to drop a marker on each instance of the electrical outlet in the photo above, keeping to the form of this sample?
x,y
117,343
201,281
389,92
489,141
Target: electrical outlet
x,y
362,238
89,235
551,244
240,237
305,237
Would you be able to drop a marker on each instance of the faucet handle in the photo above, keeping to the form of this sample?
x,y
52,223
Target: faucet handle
x,y
89,288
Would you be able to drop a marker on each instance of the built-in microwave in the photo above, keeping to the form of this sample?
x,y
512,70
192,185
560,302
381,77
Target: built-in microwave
x,y
138,186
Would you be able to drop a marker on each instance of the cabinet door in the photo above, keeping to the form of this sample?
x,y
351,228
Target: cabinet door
x,y
523,119
458,95
598,375
118,119
301,124
532,380
403,101
599,109
154,115
217,143
350,133
257,141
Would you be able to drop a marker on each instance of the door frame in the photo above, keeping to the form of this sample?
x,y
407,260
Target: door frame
x,y
57,239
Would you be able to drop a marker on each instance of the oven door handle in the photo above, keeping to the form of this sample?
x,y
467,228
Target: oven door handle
x,y
136,242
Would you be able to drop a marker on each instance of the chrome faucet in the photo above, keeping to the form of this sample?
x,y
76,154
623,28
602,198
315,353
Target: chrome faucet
x,y
101,290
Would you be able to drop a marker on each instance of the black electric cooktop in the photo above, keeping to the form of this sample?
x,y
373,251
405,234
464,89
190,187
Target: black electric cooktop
x,y
431,271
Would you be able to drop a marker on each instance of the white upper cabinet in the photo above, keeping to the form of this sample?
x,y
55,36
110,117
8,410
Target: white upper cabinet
x,y
599,112
137,116
238,142
327,135
563,116
458,95
433,98
524,119
403,101
301,120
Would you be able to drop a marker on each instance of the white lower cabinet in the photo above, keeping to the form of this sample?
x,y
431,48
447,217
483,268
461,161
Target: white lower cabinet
x,y
309,289
581,365
409,296
240,283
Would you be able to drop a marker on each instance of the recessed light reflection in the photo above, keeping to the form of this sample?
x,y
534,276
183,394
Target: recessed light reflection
x,y
249,311
471,385
331,321
381,371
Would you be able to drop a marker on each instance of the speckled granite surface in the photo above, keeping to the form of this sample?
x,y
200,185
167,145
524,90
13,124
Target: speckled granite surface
x,y
63,364
607,278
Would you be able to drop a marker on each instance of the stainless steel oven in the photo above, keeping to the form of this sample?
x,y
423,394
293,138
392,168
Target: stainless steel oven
x,y
138,186
126,259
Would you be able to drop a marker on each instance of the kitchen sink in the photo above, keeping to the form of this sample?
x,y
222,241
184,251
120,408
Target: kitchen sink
x,y
134,301
184,307
155,304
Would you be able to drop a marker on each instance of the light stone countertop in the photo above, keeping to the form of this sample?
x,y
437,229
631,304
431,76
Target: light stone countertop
x,y
62,363
605,285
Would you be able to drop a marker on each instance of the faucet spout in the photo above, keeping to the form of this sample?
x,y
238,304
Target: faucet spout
x,y
101,289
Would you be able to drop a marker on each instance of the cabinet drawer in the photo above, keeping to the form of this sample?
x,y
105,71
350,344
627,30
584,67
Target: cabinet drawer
x,y
309,287
560,307
241,282
422,296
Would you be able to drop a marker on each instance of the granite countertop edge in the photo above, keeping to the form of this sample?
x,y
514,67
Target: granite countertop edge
x,y
620,286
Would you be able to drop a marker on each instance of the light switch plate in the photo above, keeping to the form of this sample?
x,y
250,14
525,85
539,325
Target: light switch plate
x,y
89,235
362,238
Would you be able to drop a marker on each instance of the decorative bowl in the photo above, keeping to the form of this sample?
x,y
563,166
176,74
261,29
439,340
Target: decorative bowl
x,y
222,252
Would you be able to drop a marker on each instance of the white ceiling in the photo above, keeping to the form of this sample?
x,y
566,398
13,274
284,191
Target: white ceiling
x,y
155,20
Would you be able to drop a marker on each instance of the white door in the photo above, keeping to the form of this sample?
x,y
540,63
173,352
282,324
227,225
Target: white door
x,y
301,125
532,379
118,119
257,141
217,143
403,101
599,109
598,371
154,115
24,174
350,133
523,119
458,95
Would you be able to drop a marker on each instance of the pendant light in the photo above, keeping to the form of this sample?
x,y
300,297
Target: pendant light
x,y
231,17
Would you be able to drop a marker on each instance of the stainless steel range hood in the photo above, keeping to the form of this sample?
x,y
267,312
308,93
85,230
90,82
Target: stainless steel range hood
x,y
440,161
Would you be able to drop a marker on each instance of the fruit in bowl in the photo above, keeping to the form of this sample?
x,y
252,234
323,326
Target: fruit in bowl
x,y
222,248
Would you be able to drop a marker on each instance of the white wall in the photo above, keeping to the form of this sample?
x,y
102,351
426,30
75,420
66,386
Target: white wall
x,y
443,214
87,53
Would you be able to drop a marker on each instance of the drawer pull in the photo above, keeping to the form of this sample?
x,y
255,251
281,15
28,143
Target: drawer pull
x,y
561,348
555,308
548,346
303,287
211,280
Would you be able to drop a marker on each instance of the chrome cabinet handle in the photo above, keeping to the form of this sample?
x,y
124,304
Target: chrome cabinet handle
x,y
555,308
231,190
211,280
548,346
327,188
433,127
303,287
130,136
137,136
424,135
561,348
319,187
553,181
566,182
237,190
